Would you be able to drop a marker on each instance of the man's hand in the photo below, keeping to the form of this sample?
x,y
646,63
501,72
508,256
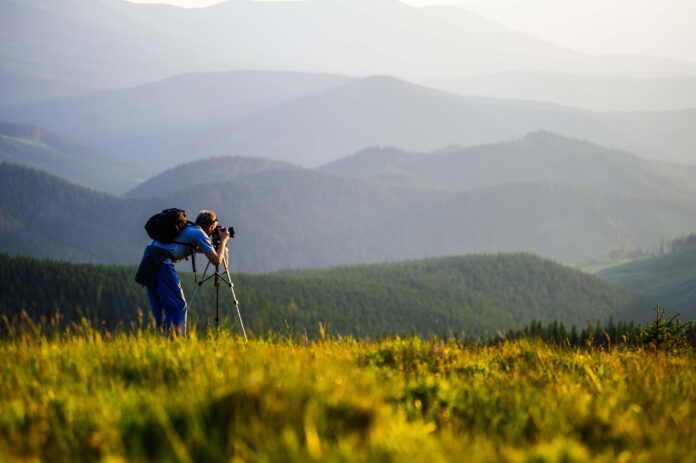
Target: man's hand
x,y
215,257
223,235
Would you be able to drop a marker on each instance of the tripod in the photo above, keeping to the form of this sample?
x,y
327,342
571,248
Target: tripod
x,y
224,276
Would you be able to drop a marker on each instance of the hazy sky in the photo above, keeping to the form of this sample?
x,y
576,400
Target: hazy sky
x,y
202,3
650,27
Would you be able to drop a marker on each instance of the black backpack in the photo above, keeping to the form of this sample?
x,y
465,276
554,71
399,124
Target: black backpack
x,y
166,226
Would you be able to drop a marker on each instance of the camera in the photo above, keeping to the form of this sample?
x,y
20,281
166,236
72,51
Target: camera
x,y
216,237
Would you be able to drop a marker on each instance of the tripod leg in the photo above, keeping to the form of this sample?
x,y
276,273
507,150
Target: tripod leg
x,y
234,296
198,286
217,296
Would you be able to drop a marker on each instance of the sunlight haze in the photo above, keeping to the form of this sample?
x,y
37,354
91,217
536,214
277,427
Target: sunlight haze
x,y
666,28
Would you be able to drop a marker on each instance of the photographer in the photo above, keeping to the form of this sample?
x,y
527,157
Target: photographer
x,y
156,269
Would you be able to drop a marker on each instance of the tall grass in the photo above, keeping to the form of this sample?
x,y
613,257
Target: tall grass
x,y
91,396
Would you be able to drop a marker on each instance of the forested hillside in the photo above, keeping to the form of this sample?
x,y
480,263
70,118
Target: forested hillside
x,y
44,215
298,218
668,279
474,295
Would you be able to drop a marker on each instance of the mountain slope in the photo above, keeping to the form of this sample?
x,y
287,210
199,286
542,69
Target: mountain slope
x,y
36,147
296,218
667,280
474,295
539,156
186,101
44,215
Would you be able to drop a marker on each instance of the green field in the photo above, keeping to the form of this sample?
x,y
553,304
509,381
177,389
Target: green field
x,y
94,397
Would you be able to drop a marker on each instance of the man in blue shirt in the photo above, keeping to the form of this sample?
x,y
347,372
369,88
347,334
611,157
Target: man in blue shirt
x,y
157,269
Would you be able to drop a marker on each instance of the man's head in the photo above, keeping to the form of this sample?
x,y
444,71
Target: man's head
x,y
207,220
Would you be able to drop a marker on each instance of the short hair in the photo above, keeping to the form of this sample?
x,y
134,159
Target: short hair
x,y
206,218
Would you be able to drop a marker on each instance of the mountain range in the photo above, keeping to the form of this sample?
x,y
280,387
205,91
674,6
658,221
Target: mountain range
x,y
184,102
539,156
569,200
91,42
70,66
310,120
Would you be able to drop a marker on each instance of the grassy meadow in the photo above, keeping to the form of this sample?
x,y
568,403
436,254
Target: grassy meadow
x,y
87,396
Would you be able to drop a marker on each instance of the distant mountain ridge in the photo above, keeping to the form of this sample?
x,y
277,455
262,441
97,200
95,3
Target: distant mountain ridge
x,y
594,93
110,118
539,156
337,120
44,38
18,89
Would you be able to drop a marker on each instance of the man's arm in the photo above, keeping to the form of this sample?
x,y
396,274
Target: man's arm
x,y
215,258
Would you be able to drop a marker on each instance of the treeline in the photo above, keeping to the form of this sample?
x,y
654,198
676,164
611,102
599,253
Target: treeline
x,y
663,247
664,332
677,244
469,295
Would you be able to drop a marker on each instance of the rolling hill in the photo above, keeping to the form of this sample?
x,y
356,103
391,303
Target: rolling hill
x,y
289,217
667,280
539,156
474,295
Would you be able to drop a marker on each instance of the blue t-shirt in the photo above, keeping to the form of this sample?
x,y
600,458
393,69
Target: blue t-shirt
x,y
191,234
